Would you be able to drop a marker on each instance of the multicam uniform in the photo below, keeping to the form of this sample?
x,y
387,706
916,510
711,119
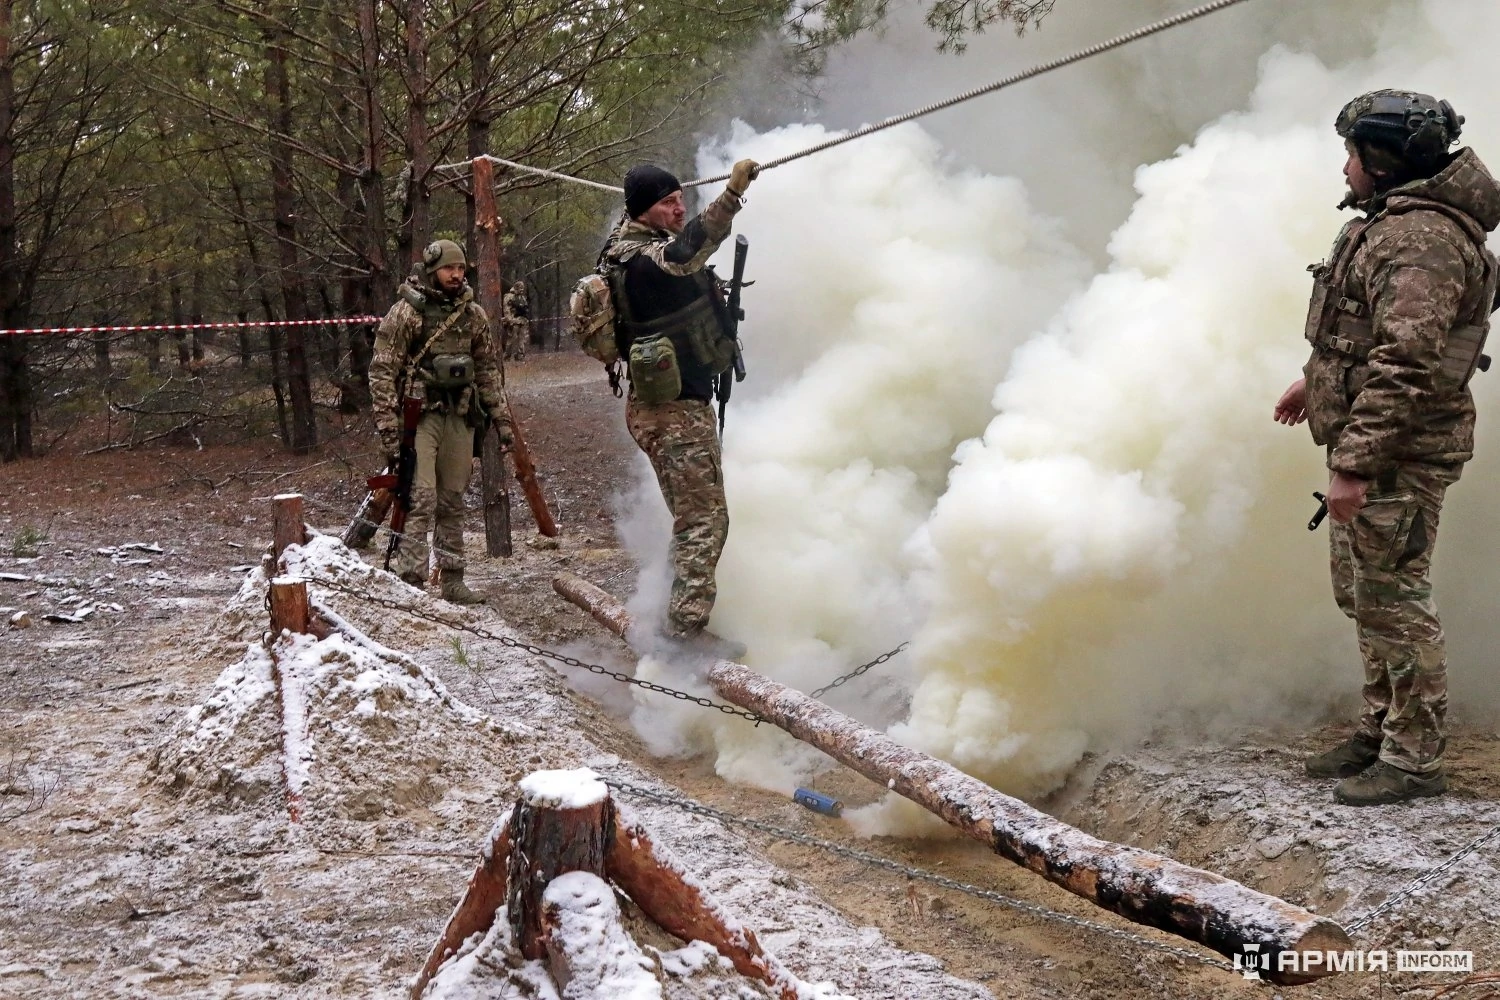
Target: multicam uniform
x,y
517,322
1398,316
667,290
407,354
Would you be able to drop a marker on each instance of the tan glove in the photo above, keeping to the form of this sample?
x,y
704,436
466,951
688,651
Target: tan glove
x,y
740,177
390,443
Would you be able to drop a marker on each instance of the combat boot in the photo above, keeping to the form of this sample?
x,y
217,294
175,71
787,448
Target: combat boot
x,y
456,591
1345,760
699,644
1383,784
415,578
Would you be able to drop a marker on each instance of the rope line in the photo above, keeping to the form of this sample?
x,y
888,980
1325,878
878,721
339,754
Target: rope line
x,y
1099,48
158,327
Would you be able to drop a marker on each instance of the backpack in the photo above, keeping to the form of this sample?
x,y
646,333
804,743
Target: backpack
x,y
591,318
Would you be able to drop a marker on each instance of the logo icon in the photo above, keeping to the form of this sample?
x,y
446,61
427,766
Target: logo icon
x,y
1252,961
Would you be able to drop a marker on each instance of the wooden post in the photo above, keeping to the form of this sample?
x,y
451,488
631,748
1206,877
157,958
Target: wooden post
x,y
1147,888
526,473
476,911
290,610
562,823
496,491
290,529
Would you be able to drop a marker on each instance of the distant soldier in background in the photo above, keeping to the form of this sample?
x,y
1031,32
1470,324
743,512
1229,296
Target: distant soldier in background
x,y
517,319
671,326
435,343
1398,319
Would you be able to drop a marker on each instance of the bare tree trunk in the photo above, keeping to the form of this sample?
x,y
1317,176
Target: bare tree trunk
x,y
15,372
377,283
195,310
418,209
176,317
304,426
101,347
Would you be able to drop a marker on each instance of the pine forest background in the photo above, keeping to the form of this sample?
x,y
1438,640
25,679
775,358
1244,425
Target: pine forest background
x,y
181,161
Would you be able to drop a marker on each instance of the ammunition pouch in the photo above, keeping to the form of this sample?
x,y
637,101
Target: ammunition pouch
x,y
654,374
449,373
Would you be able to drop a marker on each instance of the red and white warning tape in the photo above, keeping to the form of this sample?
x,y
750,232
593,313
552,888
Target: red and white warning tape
x,y
155,327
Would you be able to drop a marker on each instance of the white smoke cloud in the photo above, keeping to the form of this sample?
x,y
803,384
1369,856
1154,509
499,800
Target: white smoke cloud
x,y
1071,492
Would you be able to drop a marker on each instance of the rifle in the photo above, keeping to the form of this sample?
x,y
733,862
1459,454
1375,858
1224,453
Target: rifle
x,y
399,480
736,313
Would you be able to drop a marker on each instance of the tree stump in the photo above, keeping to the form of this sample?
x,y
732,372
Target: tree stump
x,y
564,822
290,610
290,529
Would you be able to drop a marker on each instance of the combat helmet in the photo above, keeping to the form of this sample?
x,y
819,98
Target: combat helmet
x,y
441,253
1400,130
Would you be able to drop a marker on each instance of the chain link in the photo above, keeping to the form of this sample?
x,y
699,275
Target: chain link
x,y
859,671
1422,881
526,647
875,861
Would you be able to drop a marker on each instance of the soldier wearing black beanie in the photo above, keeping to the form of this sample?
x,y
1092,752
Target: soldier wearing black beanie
x,y
670,323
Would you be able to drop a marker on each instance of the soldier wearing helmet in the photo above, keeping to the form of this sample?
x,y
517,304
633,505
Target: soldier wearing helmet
x,y
1397,324
435,343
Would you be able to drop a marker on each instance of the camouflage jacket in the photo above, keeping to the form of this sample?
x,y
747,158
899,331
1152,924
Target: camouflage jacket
x,y
1417,268
662,276
517,309
417,314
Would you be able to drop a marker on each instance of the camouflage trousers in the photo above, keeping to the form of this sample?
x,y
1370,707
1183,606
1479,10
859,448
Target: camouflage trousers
x,y
445,454
1381,562
682,442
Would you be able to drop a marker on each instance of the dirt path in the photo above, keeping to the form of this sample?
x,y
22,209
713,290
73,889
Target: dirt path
x,y
116,895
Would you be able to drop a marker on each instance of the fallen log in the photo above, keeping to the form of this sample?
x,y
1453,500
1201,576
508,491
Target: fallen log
x,y
597,602
1147,888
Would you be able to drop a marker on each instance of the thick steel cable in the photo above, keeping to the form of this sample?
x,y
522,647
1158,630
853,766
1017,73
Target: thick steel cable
x,y
1047,67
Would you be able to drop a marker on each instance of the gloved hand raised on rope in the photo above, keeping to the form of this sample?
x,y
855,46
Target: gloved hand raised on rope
x,y
740,177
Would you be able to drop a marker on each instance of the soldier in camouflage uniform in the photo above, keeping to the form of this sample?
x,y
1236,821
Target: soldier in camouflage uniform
x,y
656,261
435,341
517,322
1399,315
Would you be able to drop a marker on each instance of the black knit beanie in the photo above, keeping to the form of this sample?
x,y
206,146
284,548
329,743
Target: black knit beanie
x,y
645,185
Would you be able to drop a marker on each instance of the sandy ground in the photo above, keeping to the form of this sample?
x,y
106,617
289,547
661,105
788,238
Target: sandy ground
x,y
146,855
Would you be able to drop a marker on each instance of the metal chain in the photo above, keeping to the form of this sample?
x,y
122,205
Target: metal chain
x,y
527,647
858,671
875,861
1422,881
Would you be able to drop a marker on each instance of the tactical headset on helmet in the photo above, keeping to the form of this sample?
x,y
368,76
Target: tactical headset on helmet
x,y
441,253
1416,127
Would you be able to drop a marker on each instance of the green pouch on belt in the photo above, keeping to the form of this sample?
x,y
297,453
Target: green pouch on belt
x,y
653,370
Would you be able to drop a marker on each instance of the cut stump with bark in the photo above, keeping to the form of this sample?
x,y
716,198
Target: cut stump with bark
x,y
563,823
290,610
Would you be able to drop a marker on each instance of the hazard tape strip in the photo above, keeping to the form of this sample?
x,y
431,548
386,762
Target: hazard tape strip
x,y
158,327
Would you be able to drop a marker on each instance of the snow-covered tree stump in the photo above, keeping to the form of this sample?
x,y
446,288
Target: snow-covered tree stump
x,y
566,841
563,823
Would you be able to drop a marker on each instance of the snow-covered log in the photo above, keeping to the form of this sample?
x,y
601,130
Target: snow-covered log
x,y
605,610
1147,888
475,913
